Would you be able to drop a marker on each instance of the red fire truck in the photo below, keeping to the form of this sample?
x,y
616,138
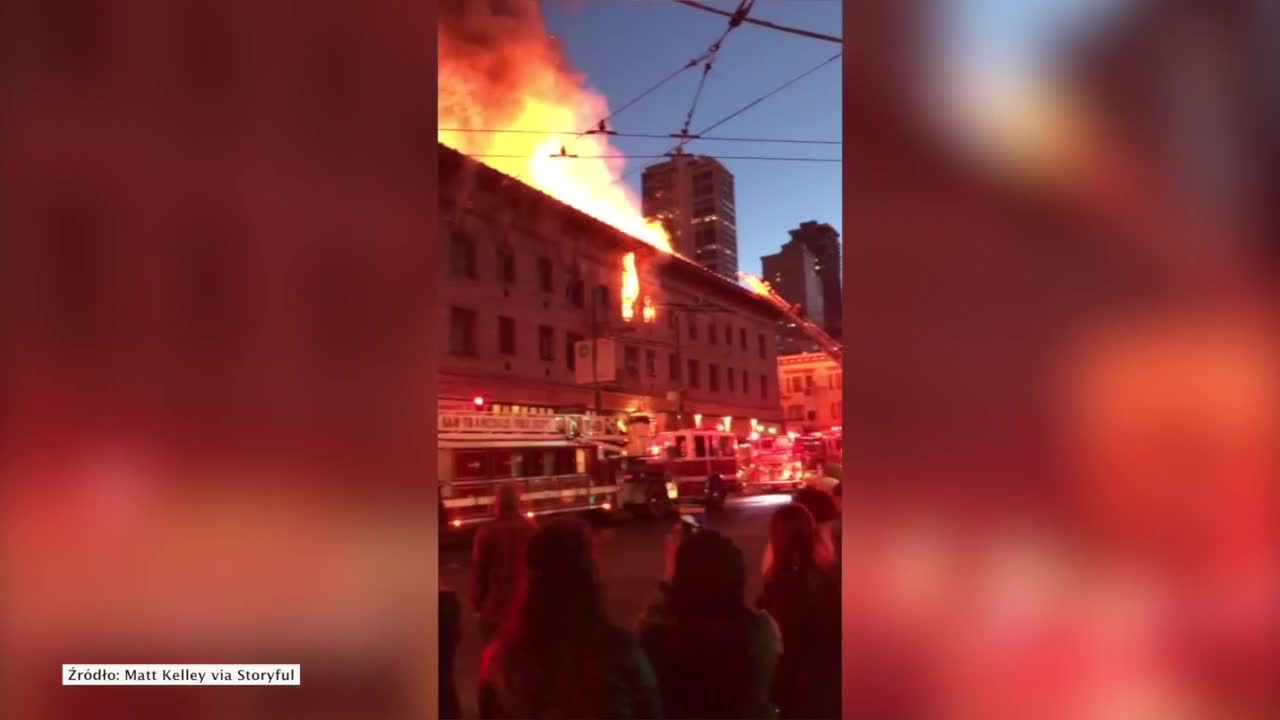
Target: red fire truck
x,y
559,462
701,464
774,465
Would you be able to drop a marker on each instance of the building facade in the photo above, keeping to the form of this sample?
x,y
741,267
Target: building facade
x,y
527,282
811,387
693,198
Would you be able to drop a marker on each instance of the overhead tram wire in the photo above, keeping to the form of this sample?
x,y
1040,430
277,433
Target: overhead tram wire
x,y
764,23
654,136
654,157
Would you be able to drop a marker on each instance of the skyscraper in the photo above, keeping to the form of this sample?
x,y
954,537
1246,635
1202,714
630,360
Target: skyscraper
x,y
693,198
823,241
793,272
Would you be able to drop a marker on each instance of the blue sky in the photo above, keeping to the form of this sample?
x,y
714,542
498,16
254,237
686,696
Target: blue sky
x,y
625,46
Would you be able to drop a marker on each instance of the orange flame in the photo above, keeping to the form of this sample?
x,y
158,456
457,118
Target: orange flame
x,y
650,313
755,284
630,286
503,72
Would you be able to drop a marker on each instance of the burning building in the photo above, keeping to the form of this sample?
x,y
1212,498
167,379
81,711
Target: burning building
x,y
534,290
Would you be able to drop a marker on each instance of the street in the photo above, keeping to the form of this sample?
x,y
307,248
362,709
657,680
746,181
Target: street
x,y
631,563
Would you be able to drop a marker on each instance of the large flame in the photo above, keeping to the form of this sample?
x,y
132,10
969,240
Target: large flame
x,y
630,286
499,70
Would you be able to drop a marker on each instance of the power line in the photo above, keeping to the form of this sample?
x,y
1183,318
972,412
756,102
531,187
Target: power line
x,y
570,156
763,23
656,136
760,99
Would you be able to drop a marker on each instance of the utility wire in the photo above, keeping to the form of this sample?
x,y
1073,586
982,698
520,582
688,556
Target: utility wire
x,y
657,136
763,23
559,156
757,101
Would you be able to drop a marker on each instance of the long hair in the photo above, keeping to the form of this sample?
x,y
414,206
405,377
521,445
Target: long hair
x,y
794,543
545,652
710,578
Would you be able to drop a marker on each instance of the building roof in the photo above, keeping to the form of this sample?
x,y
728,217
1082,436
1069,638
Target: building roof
x,y
673,265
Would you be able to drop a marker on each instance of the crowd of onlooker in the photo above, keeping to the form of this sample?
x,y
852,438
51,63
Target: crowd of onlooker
x,y
699,650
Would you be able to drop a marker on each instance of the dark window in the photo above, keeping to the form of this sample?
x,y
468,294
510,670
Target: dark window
x,y
713,377
462,331
462,255
761,339
571,350
745,382
632,356
546,343
602,299
673,367
764,386
712,335
651,363
808,381
742,337
506,336
693,373
813,415
507,266
682,446
544,275
728,334
731,377
700,446
693,327
575,291
671,320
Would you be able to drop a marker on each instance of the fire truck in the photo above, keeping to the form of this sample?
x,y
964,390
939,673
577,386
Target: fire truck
x,y
698,466
774,465
561,463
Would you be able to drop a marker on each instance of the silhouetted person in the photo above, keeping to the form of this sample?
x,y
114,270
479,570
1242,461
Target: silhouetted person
x,y
557,656
822,506
714,656
498,561
450,634
802,593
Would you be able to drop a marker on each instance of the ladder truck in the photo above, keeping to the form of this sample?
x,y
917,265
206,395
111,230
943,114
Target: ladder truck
x,y
826,343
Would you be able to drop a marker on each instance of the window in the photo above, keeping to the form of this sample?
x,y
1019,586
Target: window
x,y
727,448
813,415
462,255
462,331
602,299
506,336
651,363
575,292
546,343
712,336
682,446
693,328
764,386
571,350
673,367
808,382
742,337
760,337
731,377
507,266
693,373
632,363
544,275
671,320
728,334
700,446
713,377
745,382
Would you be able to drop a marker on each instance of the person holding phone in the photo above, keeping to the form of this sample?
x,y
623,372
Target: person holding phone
x,y
714,655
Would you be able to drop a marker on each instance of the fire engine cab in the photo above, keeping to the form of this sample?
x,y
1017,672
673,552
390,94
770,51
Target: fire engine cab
x,y
774,465
701,464
559,463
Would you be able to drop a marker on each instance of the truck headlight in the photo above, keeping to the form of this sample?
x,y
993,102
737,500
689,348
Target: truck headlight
x,y
673,491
